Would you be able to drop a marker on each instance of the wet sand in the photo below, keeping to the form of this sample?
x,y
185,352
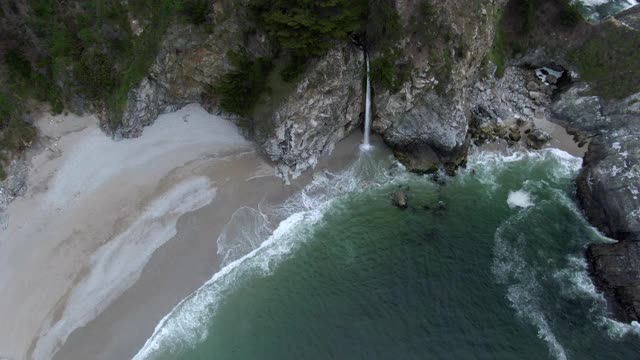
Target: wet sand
x,y
93,215
188,260
99,251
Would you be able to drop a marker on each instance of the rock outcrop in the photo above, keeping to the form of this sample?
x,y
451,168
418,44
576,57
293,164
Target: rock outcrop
x,y
617,270
399,199
321,109
188,62
609,190
324,108
426,121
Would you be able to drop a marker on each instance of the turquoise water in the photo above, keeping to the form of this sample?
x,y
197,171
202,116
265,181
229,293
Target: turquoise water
x,y
463,273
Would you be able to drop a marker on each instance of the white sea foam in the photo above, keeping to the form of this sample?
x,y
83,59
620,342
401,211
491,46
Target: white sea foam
x,y
520,198
245,231
511,269
185,325
487,165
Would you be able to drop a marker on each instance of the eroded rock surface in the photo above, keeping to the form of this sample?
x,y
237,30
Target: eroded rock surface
x,y
324,108
609,190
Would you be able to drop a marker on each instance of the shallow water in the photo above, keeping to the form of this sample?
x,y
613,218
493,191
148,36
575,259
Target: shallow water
x,y
460,274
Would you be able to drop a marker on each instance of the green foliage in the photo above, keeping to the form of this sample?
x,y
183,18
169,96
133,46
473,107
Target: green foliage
x,y
95,73
14,133
240,88
308,28
570,14
526,12
609,61
383,27
90,48
196,10
386,72
17,64
293,69
500,52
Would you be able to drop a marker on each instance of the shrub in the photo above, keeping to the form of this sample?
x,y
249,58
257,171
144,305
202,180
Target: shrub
x,y
609,61
383,27
385,72
240,88
293,69
17,64
196,10
309,28
95,74
570,14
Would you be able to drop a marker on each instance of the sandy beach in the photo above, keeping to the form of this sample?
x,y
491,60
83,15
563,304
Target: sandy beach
x,y
110,236
94,213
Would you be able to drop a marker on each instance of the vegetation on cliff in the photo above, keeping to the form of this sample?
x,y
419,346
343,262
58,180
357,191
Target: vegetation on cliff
x,y
609,61
604,54
15,134
302,30
95,50
98,48
240,88
525,24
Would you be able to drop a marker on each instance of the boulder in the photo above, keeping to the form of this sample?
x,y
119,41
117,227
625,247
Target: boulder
x,y
538,138
324,108
399,199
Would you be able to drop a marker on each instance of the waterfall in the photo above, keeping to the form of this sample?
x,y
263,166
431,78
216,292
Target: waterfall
x,y
366,145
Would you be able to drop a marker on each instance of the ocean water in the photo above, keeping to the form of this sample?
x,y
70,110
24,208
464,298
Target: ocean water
x,y
485,265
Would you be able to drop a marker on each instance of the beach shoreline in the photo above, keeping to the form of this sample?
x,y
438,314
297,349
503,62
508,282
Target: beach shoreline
x,y
177,188
94,212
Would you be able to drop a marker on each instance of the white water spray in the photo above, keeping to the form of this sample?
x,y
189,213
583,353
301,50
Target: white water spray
x,y
366,144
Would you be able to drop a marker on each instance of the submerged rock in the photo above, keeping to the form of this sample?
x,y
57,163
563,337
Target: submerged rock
x,y
399,199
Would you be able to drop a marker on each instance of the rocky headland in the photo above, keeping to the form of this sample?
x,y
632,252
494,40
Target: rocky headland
x,y
447,75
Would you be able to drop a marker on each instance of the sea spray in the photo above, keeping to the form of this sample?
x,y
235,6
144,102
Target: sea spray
x,y
245,231
185,326
347,275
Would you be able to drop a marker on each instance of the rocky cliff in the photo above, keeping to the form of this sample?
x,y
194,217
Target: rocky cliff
x,y
609,190
609,183
427,119
436,90
428,114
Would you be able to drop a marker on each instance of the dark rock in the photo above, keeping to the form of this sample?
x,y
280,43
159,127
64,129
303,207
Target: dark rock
x,y
514,134
608,189
440,208
399,199
430,127
630,17
537,138
616,271
609,184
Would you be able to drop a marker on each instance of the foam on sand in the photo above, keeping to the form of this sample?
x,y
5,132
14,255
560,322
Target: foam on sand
x,y
94,212
120,261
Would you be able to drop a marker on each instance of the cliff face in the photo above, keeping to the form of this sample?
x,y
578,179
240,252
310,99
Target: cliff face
x,y
442,47
437,82
426,121
608,187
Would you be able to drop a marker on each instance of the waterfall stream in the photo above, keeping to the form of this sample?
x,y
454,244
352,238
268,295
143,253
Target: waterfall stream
x,y
366,145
